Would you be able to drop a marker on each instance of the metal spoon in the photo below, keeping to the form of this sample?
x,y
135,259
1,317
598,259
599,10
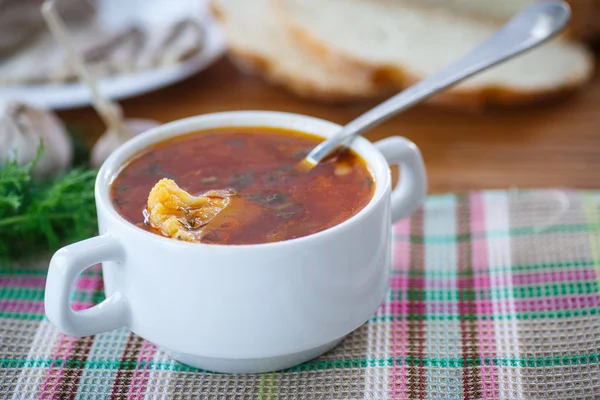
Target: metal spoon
x,y
531,27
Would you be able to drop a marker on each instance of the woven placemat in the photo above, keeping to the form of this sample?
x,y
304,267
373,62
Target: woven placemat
x,y
494,295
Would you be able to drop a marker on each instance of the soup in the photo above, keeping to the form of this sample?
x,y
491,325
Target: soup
x,y
249,188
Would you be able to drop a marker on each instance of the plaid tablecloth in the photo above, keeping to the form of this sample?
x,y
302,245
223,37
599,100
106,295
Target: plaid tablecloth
x,y
494,295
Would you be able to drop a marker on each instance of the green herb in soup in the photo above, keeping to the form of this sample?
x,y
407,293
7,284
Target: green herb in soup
x,y
239,186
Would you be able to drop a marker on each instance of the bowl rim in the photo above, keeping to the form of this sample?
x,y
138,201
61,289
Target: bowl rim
x,y
376,163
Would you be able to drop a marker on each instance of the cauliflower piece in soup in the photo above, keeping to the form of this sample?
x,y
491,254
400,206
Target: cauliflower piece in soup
x,y
180,215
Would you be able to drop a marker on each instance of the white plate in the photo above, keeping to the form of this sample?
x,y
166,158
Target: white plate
x,y
73,95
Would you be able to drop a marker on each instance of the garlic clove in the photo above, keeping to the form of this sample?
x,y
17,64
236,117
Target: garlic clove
x,y
23,128
110,140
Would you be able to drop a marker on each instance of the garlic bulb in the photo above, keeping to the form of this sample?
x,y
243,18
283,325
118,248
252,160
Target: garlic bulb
x,y
110,140
23,127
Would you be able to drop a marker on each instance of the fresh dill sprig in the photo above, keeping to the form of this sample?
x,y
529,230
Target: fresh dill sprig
x,y
43,215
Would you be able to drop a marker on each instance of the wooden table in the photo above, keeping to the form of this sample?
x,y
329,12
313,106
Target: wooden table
x,y
555,145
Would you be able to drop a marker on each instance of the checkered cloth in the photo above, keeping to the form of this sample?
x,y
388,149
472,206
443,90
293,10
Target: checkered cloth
x,y
494,295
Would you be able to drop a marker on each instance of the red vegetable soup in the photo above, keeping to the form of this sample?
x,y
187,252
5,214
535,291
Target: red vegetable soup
x,y
239,186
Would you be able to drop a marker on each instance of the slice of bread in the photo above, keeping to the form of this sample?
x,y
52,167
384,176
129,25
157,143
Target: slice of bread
x,y
405,43
584,25
257,41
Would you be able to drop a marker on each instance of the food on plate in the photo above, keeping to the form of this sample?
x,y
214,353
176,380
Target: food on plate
x,y
172,43
118,130
24,128
109,49
405,42
239,186
257,41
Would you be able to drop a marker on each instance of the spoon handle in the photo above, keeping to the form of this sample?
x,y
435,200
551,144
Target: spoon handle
x,y
531,27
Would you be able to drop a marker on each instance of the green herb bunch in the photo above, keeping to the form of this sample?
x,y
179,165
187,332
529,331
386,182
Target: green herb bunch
x,y
43,215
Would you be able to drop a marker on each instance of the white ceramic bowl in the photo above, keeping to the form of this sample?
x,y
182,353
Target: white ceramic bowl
x,y
240,308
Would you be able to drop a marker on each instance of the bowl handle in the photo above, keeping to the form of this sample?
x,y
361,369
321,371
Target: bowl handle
x,y
412,186
66,264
